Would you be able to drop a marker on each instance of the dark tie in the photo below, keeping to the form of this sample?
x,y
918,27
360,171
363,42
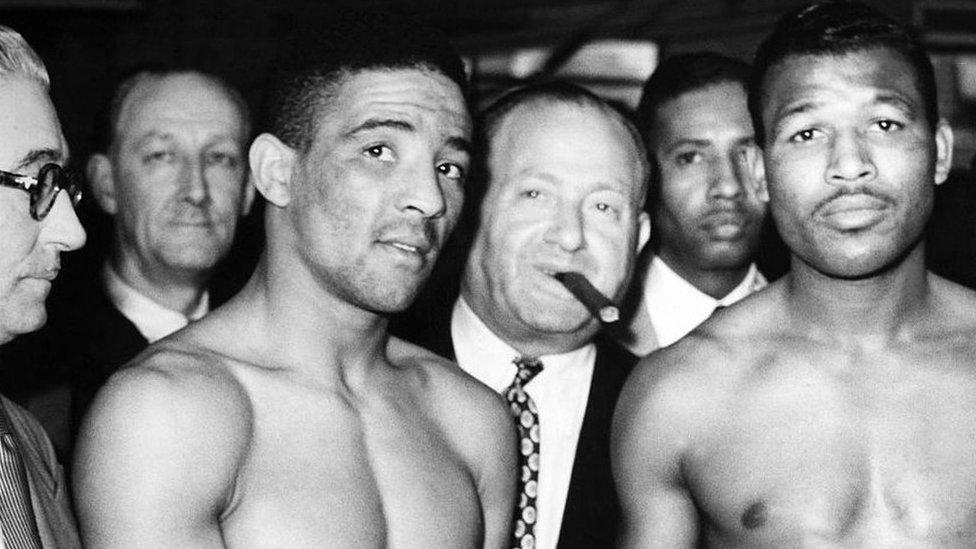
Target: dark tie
x,y
16,512
527,422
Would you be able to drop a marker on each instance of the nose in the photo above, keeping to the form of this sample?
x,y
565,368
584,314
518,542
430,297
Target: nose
x,y
62,227
726,176
422,193
566,229
849,160
194,179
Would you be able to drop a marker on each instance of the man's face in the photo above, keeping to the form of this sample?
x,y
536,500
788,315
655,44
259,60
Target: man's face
x,y
564,195
382,184
178,175
30,136
707,215
850,160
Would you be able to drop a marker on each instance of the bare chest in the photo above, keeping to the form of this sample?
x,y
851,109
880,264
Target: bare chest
x,y
321,474
816,460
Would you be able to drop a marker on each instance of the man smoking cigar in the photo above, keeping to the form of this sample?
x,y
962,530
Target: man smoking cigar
x,y
563,182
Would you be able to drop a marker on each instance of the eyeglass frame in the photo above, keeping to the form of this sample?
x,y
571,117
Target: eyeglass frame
x,y
32,186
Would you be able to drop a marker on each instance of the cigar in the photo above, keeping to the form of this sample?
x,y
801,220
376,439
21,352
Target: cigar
x,y
597,303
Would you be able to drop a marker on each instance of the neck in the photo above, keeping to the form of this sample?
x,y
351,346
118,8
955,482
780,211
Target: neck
x,y
307,329
176,291
715,283
876,308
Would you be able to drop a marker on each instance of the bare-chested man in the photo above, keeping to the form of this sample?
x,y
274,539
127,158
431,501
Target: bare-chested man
x,y
837,408
288,417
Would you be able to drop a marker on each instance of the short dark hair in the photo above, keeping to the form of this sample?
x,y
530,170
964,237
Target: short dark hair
x,y
313,63
106,134
834,28
683,73
675,76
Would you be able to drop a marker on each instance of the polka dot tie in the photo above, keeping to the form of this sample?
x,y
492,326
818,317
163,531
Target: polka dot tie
x,y
527,421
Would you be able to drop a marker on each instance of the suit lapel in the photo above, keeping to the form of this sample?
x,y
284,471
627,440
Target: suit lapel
x,y
592,512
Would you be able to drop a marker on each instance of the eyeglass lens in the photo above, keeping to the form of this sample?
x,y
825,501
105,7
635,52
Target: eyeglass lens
x,y
50,180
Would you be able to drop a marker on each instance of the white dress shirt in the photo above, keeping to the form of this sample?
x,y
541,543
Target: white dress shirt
x,y
676,307
560,393
152,320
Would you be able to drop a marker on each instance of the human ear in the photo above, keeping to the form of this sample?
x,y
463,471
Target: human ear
x,y
643,231
102,179
943,151
272,163
755,172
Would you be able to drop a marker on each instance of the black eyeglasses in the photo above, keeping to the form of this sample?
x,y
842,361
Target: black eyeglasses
x,y
44,188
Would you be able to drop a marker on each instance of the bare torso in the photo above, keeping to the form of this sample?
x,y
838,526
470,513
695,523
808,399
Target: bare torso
x,y
413,457
791,440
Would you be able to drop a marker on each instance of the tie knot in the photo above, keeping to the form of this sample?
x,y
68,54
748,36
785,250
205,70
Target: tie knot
x,y
528,368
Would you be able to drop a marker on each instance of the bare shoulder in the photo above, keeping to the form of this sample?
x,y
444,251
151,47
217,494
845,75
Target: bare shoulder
x,y
953,305
445,380
685,384
478,417
173,391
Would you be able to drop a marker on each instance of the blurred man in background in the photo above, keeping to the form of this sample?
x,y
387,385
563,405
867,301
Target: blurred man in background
x,y
172,176
706,216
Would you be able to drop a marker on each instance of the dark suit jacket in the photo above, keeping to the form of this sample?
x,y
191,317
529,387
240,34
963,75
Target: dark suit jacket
x,y
592,514
48,490
56,371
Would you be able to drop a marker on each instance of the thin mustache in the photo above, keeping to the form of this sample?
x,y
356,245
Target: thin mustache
x,y
854,192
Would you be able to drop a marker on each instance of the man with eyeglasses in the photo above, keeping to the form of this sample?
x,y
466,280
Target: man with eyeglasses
x,y
171,172
37,223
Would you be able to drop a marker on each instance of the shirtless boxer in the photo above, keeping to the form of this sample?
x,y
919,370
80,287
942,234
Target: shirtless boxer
x,y
837,408
289,418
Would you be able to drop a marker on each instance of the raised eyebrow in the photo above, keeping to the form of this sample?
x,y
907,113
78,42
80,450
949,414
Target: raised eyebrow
x,y
377,123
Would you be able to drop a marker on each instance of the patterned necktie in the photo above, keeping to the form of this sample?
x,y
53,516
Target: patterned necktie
x,y
527,422
16,511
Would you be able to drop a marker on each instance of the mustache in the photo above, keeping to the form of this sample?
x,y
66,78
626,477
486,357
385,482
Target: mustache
x,y
866,191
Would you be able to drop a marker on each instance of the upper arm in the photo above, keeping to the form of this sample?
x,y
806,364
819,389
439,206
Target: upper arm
x,y
156,460
497,484
648,431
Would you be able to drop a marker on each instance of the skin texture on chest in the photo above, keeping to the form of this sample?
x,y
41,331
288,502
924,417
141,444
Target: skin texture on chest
x,y
837,449
324,471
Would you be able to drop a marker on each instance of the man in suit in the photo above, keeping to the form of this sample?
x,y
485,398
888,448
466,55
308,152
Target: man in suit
x,y
707,217
563,183
37,224
171,173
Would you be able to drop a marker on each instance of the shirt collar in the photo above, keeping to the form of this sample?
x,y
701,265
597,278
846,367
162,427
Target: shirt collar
x,y
152,320
484,355
676,306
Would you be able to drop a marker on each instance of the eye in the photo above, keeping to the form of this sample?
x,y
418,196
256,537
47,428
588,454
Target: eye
x,y
531,193
688,158
451,170
380,152
606,208
889,125
803,136
221,158
159,156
